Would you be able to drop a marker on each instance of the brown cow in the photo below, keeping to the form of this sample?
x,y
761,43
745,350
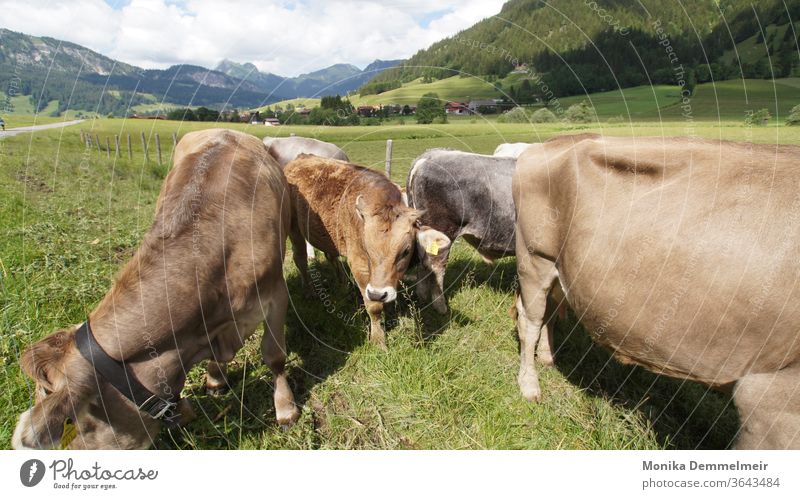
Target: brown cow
x,y
679,255
207,273
345,209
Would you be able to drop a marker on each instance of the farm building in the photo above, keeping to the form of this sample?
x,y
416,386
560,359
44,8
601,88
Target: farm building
x,y
455,108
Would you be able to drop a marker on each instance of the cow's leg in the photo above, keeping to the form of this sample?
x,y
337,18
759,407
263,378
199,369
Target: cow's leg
x,y
769,409
299,257
338,268
273,351
216,382
536,276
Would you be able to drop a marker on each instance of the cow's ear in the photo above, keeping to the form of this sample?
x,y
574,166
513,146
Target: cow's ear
x,y
62,391
43,360
431,240
361,207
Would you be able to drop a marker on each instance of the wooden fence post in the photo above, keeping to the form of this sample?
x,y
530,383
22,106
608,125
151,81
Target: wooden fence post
x,y
158,149
389,158
108,148
116,146
83,139
97,142
130,152
144,147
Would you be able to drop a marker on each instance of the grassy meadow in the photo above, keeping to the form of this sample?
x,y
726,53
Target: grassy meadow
x,y
70,218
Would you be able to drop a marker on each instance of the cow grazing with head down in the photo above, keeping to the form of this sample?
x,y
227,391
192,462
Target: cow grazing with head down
x,y
349,210
207,273
464,195
679,255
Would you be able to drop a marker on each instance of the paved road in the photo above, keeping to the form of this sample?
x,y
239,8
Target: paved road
x,y
24,129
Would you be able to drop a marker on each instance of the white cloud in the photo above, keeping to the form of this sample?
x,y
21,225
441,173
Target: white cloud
x,y
283,37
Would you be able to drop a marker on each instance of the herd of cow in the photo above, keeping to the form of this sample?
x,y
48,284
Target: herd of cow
x,y
678,254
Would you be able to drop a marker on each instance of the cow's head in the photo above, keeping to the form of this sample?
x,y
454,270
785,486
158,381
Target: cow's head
x,y
391,233
68,398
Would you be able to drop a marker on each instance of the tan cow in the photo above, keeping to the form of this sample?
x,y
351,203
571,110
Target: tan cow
x,y
207,273
679,255
349,210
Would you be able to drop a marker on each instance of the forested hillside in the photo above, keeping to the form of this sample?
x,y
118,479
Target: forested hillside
x,y
580,46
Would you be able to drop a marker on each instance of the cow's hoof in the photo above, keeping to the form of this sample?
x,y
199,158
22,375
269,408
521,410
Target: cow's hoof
x,y
530,389
287,418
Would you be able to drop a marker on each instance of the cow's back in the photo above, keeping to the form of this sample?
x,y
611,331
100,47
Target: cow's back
x,y
678,254
219,233
465,194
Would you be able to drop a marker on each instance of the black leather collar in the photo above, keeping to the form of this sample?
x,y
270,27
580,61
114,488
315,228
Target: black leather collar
x,y
121,378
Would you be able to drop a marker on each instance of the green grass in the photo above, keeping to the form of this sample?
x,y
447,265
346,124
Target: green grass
x,y
69,218
731,99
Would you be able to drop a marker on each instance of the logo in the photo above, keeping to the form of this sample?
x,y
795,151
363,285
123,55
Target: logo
x,y
31,472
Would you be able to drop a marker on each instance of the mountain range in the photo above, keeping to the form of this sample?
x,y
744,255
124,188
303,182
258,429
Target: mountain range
x,y
75,77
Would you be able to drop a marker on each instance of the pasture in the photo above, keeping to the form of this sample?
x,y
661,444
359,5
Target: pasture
x,y
70,218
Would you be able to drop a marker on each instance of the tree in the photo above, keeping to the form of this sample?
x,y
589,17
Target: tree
x,y
544,115
516,115
580,113
691,81
429,108
794,116
235,118
757,118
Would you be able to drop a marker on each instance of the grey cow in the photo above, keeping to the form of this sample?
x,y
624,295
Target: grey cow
x,y
461,194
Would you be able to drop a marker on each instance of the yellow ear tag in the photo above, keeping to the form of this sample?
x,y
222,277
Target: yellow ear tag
x,y
433,248
69,434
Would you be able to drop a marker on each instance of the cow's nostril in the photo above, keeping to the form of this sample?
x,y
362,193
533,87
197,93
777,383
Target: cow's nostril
x,y
376,296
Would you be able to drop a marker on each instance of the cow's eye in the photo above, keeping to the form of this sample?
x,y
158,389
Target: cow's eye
x,y
403,254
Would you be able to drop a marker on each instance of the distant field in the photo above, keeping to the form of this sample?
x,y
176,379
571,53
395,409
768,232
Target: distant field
x,y
729,100
70,217
455,88
725,100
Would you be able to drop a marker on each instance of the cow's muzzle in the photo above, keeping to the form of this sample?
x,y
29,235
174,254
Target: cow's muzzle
x,y
383,295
